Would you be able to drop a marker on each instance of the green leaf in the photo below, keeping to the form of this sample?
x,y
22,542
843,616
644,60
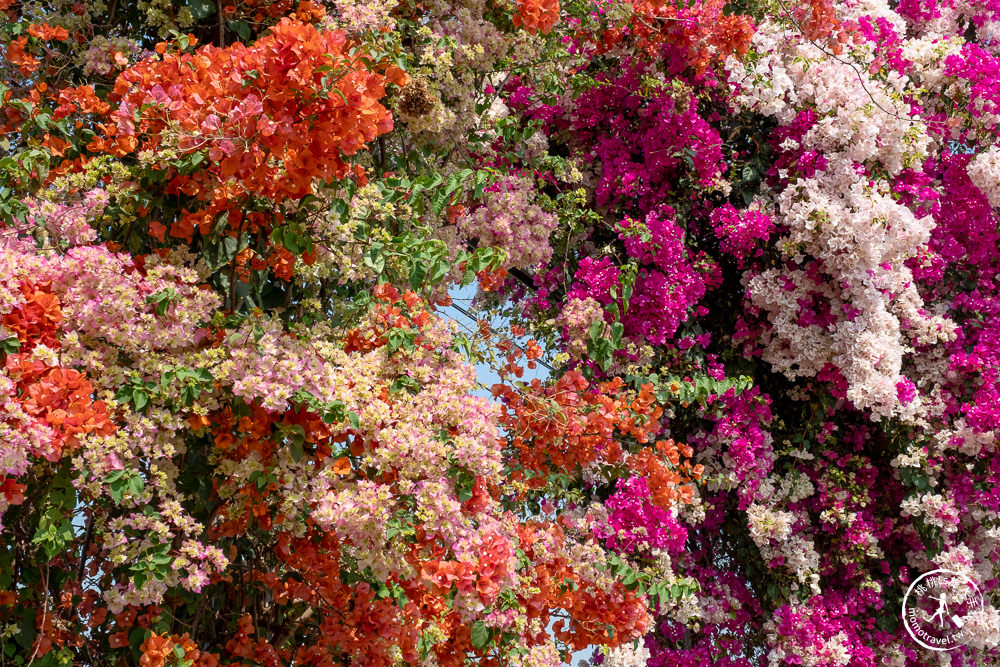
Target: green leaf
x,y
595,330
201,9
221,254
296,449
241,28
417,274
405,383
10,345
138,635
135,485
482,178
480,634
140,399
26,629
398,338
374,259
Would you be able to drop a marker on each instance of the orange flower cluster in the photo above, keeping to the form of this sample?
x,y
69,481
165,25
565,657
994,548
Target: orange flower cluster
x,y
36,321
591,610
83,99
667,484
572,423
259,10
703,30
13,493
16,53
819,22
271,117
490,281
392,311
481,577
157,649
352,620
236,438
537,15
47,32
26,63
60,398
309,12
259,650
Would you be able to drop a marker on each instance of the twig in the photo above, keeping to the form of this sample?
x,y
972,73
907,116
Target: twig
x,y
850,64
112,10
86,546
45,609
471,317
222,25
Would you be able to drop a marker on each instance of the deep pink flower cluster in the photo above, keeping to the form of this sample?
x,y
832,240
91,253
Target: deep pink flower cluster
x,y
883,35
739,231
721,643
790,158
636,524
644,144
825,629
595,279
667,285
981,69
741,424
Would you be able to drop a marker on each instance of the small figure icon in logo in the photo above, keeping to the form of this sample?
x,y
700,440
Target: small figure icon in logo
x,y
936,606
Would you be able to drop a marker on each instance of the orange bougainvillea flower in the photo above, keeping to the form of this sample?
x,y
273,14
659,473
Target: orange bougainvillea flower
x,y
26,63
342,466
537,15
309,12
35,322
83,98
48,32
12,492
60,398
282,262
704,30
264,114
155,651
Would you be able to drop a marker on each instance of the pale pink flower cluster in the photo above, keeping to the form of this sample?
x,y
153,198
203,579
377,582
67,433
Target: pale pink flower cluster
x,y
935,510
69,223
772,530
105,55
401,435
105,295
627,655
510,219
984,172
833,651
859,119
361,15
575,321
847,301
19,432
544,654
104,313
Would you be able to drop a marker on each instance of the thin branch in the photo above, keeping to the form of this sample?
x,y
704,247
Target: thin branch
x,y
472,317
45,609
86,546
222,24
854,67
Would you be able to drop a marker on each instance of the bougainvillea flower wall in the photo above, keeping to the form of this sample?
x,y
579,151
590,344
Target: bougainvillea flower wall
x,y
731,268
